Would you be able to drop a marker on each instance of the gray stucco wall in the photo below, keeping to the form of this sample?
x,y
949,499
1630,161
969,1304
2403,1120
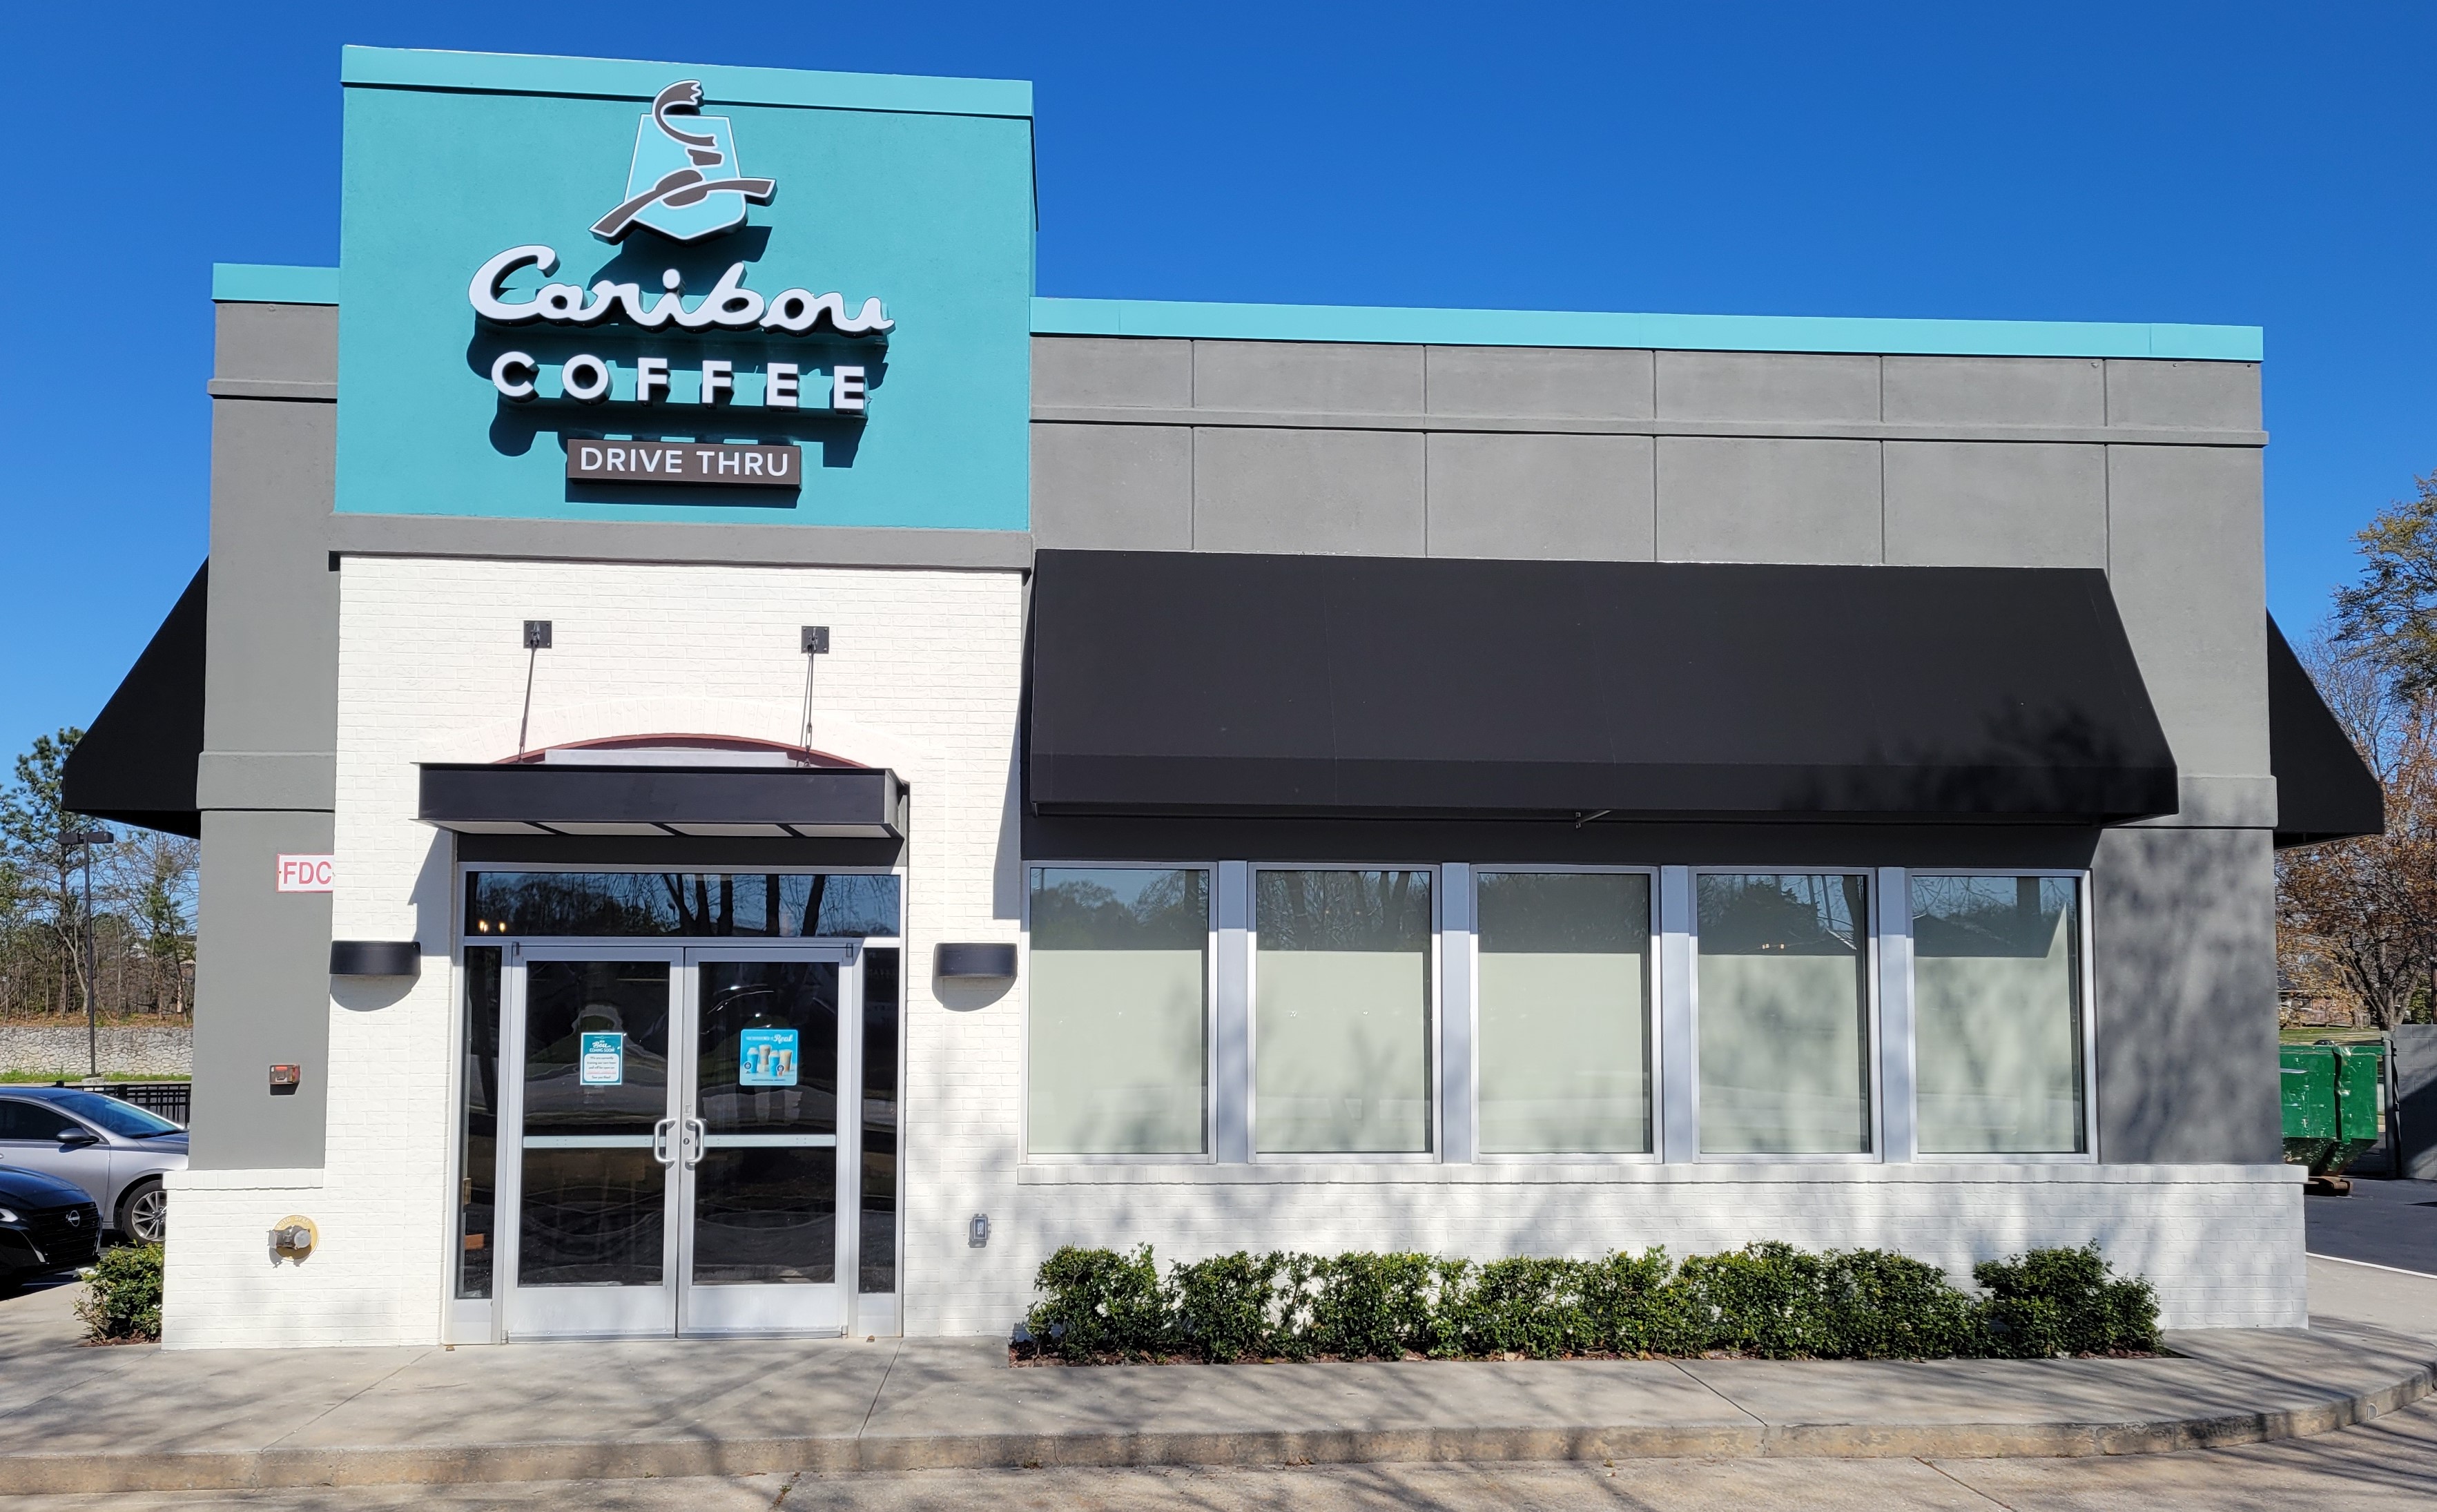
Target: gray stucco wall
x,y
2182,926
262,996
262,984
2148,470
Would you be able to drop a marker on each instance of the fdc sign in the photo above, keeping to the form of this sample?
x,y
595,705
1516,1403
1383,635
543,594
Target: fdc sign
x,y
306,874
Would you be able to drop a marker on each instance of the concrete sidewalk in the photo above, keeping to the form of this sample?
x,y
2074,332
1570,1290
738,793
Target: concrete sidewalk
x,y
76,1419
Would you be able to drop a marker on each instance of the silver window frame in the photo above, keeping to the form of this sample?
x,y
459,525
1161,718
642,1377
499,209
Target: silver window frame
x,y
1654,1021
1872,1053
1209,1156
2087,1010
1434,984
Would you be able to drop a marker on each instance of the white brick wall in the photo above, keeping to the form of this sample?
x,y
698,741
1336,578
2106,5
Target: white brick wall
x,y
924,675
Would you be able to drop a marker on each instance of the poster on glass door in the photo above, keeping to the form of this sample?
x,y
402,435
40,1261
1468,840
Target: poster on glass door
x,y
601,1059
766,1058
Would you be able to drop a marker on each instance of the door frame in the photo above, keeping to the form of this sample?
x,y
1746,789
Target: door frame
x,y
668,1314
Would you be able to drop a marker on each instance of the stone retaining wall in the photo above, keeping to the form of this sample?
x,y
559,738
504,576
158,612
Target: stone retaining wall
x,y
130,1049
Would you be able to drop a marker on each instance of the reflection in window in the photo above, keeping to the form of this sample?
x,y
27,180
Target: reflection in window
x,y
835,906
1782,984
1116,1047
1997,1014
478,1123
1342,1012
1564,972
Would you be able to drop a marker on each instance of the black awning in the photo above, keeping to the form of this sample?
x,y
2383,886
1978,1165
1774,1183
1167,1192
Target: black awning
x,y
136,761
1184,683
553,797
2325,791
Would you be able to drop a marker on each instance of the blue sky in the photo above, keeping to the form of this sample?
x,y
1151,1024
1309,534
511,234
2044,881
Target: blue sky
x,y
2248,165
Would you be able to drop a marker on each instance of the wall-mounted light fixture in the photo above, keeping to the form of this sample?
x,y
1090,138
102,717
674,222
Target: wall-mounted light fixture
x,y
376,958
978,962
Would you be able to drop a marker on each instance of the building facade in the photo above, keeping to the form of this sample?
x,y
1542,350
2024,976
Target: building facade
x,y
756,776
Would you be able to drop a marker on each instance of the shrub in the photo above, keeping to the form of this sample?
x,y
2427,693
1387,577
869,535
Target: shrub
x,y
2064,1302
1374,1304
122,1296
1227,1306
1767,1299
1097,1303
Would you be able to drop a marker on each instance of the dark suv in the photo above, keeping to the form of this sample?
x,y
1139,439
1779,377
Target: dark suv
x,y
46,1225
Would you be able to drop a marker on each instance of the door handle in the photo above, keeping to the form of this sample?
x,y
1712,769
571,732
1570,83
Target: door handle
x,y
692,1142
660,1132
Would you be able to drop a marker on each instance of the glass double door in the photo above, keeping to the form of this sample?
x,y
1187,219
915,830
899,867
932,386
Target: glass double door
x,y
687,1126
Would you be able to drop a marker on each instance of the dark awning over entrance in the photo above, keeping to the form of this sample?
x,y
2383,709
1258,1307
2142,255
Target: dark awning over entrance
x,y
552,797
1184,683
136,761
2325,791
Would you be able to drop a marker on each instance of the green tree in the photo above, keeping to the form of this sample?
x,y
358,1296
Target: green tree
x,y
34,829
2392,612
153,885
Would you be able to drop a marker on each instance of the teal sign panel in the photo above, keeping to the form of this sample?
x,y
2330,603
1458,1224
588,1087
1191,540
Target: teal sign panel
x,y
538,252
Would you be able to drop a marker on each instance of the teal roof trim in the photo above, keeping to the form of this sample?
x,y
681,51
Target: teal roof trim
x,y
616,79
263,283
1691,333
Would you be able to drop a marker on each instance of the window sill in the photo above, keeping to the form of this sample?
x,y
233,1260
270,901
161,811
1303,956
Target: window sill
x,y
1511,1174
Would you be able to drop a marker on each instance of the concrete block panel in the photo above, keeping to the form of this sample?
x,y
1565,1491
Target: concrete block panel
x,y
2183,926
1995,503
1556,382
280,344
1742,500
262,996
1116,370
1554,497
2207,396
1995,391
1113,487
1328,378
2186,559
1780,386
1354,492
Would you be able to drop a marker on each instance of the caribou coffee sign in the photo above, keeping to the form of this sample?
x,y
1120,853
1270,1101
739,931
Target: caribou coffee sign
x,y
685,183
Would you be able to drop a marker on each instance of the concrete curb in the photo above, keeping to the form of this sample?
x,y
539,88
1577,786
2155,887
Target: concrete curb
x,y
634,1459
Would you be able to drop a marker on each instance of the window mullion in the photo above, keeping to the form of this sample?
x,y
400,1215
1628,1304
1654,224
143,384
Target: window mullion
x,y
1458,1126
1230,1061
1679,1108
1897,1107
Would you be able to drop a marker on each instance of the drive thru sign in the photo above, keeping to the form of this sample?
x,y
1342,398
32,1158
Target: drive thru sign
x,y
304,873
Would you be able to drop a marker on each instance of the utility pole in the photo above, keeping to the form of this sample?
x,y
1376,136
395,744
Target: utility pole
x,y
87,839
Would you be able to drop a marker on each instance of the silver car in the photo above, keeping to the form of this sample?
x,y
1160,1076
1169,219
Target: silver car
x,y
116,1150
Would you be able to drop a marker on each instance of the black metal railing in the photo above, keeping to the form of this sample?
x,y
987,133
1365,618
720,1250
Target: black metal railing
x,y
167,1100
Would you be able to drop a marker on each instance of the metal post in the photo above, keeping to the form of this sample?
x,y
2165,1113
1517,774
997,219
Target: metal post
x,y
92,1028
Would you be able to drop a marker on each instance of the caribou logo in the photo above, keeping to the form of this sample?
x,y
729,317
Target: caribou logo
x,y
683,184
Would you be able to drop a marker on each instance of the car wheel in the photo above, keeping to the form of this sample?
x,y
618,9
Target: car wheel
x,y
144,1213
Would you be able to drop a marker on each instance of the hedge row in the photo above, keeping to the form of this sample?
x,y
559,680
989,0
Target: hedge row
x,y
1770,1300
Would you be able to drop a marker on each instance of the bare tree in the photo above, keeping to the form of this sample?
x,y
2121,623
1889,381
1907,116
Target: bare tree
x,y
2357,920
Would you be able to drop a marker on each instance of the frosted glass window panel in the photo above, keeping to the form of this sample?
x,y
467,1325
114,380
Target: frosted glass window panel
x,y
1117,1054
1342,1012
1564,1048
1783,999
1997,1014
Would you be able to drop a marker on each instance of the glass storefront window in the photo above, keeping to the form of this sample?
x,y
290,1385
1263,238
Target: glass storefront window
x,y
876,1237
1117,1013
714,903
1782,985
1564,982
1342,1012
478,1125
1997,1014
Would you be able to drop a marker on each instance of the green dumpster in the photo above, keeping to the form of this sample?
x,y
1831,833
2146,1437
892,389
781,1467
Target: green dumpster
x,y
2330,1096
